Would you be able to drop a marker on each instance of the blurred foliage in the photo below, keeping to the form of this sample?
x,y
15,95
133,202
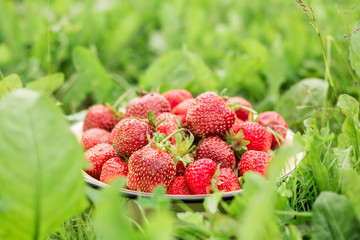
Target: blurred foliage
x,y
255,50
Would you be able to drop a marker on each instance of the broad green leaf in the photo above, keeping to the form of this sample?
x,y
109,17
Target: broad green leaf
x,y
40,175
91,79
110,221
302,99
349,106
47,84
179,69
92,72
259,201
211,202
351,188
334,218
9,84
351,131
355,49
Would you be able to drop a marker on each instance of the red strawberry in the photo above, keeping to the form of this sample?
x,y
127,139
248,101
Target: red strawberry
x,y
178,187
236,126
129,135
258,136
176,96
241,113
94,136
210,116
277,123
140,106
113,168
180,169
97,156
182,108
168,126
148,168
217,150
100,116
227,180
199,174
256,161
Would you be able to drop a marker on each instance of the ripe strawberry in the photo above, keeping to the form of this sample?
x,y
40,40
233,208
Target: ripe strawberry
x,y
113,168
94,136
256,161
180,168
100,116
182,108
129,135
176,96
140,106
178,187
236,126
168,126
241,102
210,116
258,136
148,168
217,150
97,156
227,180
277,123
199,174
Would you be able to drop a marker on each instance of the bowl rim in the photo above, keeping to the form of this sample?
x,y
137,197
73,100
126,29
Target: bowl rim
x,y
199,198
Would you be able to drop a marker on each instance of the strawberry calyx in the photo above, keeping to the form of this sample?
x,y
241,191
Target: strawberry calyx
x,y
236,142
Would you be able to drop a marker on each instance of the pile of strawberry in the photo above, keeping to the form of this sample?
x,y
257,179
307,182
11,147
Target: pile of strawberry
x,y
188,145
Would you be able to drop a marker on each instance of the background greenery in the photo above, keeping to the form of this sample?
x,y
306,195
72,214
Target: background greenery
x,y
274,53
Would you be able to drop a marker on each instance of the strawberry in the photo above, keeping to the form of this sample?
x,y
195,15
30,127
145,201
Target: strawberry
x,y
150,167
129,135
100,116
94,136
210,116
258,136
227,180
277,123
256,161
177,96
198,176
241,113
178,187
217,150
236,126
113,168
180,168
182,108
97,156
140,106
168,125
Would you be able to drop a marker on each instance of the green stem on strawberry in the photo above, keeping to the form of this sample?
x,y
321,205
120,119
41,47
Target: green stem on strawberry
x,y
119,100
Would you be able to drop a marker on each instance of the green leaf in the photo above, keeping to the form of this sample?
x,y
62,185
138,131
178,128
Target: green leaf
x,y
349,106
258,202
91,79
40,176
212,201
351,131
110,221
179,69
302,99
334,218
351,188
47,84
9,84
355,49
